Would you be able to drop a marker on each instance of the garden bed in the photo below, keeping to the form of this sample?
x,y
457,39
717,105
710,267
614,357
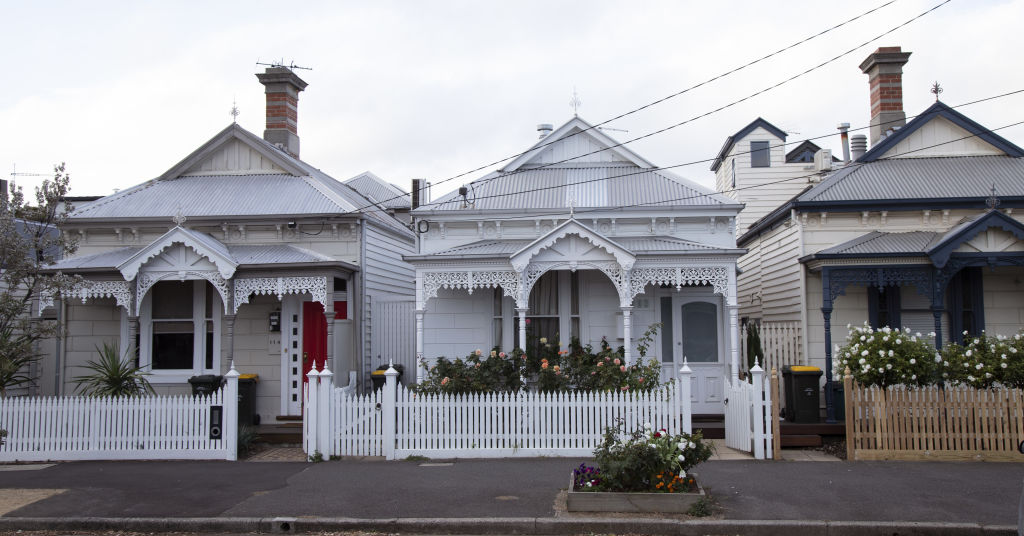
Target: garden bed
x,y
611,501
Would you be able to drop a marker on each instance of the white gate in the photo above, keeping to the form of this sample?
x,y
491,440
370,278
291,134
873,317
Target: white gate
x,y
748,415
393,335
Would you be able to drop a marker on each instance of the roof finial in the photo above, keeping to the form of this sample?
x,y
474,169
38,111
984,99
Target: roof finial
x,y
992,202
935,90
234,111
575,103
178,218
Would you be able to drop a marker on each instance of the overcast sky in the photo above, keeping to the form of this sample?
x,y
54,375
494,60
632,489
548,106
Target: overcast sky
x,y
123,91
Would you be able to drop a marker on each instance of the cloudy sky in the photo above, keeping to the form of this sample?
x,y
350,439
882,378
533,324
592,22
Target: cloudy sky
x,y
123,91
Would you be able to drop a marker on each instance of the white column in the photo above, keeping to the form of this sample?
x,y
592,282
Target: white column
x,y
734,326
229,428
521,311
421,367
325,436
627,334
388,408
329,316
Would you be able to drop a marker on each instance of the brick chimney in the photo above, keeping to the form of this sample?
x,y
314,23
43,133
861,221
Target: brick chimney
x,y
283,87
884,68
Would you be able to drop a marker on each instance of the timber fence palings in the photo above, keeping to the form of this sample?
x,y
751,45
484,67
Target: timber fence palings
x,y
937,422
118,428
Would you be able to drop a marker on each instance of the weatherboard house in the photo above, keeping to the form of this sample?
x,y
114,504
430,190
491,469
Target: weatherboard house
x,y
580,237
239,253
925,230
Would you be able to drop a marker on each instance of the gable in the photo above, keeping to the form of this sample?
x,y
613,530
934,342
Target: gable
x,y
757,129
940,137
165,254
577,143
234,158
572,242
990,233
992,240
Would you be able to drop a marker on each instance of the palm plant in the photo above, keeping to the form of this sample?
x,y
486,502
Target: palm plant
x,y
16,354
113,375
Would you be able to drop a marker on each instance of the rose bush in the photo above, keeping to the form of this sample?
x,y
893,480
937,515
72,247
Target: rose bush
x,y
985,361
887,356
645,460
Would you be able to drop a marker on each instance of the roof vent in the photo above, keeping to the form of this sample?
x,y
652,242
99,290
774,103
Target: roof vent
x,y
544,129
858,146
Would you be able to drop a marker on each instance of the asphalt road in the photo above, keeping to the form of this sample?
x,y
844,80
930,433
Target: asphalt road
x,y
985,493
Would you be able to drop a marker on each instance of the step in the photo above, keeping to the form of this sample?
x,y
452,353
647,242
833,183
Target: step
x,y
710,430
808,440
816,428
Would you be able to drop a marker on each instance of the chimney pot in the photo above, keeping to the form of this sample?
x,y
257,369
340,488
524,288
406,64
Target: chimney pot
x,y
282,89
844,129
884,68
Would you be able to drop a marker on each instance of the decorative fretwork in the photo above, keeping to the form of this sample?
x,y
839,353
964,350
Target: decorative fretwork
x,y
507,280
146,280
279,286
121,291
918,276
716,276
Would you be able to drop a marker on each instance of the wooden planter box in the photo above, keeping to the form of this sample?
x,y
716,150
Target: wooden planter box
x,y
609,501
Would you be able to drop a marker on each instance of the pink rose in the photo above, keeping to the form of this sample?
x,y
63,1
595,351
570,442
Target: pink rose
x,y
623,368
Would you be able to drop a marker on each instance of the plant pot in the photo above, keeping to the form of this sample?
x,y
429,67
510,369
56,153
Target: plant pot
x,y
614,501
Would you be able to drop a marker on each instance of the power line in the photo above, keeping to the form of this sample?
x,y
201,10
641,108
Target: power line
x,y
678,93
694,162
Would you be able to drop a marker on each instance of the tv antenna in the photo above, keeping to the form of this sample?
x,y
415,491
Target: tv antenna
x,y
14,173
280,63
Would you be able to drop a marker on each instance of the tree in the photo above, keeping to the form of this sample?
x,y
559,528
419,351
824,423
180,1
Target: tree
x,y
30,240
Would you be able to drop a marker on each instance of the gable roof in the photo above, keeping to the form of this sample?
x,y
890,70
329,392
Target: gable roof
x,y
740,134
969,229
623,256
283,186
806,145
202,243
941,110
576,128
632,182
380,191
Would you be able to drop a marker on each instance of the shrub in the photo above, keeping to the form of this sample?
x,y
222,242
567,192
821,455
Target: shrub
x,y
644,460
985,361
498,372
887,356
113,375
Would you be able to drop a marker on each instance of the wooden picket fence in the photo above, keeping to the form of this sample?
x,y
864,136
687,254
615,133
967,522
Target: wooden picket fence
x,y
119,428
933,423
749,414
396,423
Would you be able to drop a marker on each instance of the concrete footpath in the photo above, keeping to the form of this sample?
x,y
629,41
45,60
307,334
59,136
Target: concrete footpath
x,y
508,496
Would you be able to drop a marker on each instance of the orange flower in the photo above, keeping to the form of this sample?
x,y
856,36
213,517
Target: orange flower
x,y
544,364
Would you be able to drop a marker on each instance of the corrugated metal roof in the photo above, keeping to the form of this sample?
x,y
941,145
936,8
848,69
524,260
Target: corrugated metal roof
x,y
377,190
661,244
220,195
922,178
279,254
879,243
487,247
270,254
107,259
590,187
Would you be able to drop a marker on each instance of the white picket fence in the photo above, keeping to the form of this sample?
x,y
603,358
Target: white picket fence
x,y
781,342
396,423
748,415
122,428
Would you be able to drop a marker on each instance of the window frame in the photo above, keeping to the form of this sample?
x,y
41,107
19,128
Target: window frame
x,y
199,334
760,155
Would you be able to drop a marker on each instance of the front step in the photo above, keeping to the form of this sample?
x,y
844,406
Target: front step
x,y
280,434
801,440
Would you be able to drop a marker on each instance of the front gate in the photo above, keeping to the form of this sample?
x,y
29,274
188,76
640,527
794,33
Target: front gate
x,y
748,415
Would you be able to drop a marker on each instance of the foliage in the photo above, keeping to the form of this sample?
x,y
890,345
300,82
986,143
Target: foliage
x,y
754,349
316,457
887,356
247,436
578,368
113,375
30,239
703,507
646,460
985,360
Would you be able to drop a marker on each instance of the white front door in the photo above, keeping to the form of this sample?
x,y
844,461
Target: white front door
x,y
693,323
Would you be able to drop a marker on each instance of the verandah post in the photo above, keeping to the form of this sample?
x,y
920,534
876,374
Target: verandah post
x,y
229,427
684,396
757,376
388,407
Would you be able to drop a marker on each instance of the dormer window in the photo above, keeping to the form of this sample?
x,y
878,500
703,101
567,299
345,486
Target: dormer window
x,y
759,156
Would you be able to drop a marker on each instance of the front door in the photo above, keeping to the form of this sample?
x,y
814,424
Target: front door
x,y
697,333
314,337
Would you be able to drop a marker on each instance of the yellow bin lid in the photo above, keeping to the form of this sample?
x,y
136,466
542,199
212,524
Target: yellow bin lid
x,y
804,368
378,373
249,377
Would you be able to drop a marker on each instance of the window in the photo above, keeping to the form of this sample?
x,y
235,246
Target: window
x,y
884,307
966,304
759,156
554,311
182,323
732,165
700,332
